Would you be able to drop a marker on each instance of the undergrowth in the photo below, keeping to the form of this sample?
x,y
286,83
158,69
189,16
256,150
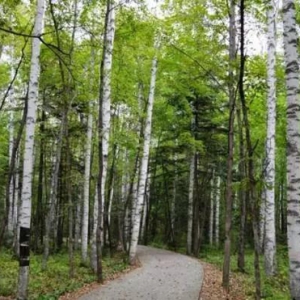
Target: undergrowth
x,y
276,288
55,281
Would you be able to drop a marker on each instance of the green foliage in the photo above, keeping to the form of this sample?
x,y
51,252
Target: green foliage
x,y
55,281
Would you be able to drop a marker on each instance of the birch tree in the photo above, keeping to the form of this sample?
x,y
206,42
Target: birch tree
x,y
104,121
270,237
293,143
190,205
93,257
86,193
25,208
211,216
217,212
144,164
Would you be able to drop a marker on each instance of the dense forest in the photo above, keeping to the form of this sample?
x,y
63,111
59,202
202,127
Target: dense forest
x,y
172,123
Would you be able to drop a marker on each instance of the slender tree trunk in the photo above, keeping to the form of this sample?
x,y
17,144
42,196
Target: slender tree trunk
x,y
125,211
145,208
262,222
229,196
293,143
174,197
39,210
242,195
86,193
190,205
217,213
211,215
25,209
94,233
78,220
196,215
270,236
70,205
104,123
11,217
16,206
144,164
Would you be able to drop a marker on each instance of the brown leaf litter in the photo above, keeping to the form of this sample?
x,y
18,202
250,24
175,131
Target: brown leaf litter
x,y
212,285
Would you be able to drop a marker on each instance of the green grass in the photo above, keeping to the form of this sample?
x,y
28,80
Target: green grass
x,y
276,288
55,281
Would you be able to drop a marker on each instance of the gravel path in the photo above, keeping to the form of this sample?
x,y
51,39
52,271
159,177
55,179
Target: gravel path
x,y
164,275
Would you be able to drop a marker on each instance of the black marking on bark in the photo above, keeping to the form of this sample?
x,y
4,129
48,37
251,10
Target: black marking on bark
x,y
292,213
288,6
24,246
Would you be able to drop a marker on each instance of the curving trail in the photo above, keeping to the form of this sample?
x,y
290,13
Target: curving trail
x,y
164,275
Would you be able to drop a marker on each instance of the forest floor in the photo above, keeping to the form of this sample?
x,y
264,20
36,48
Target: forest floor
x,y
212,285
243,284
55,281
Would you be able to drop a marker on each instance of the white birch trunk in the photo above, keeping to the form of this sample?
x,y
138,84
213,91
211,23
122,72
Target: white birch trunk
x,y
106,96
262,222
211,217
145,207
190,205
94,233
104,122
25,208
134,197
144,165
78,221
293,144
270,237
217,213
86,192
125,214
110,204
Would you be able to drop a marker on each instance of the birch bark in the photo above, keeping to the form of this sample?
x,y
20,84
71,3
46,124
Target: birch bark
x,y
211,217
190,205
217,213
78,221
94,233
262,222
293,144
104,121
25,208
144,164
145,208
270,237
86,193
